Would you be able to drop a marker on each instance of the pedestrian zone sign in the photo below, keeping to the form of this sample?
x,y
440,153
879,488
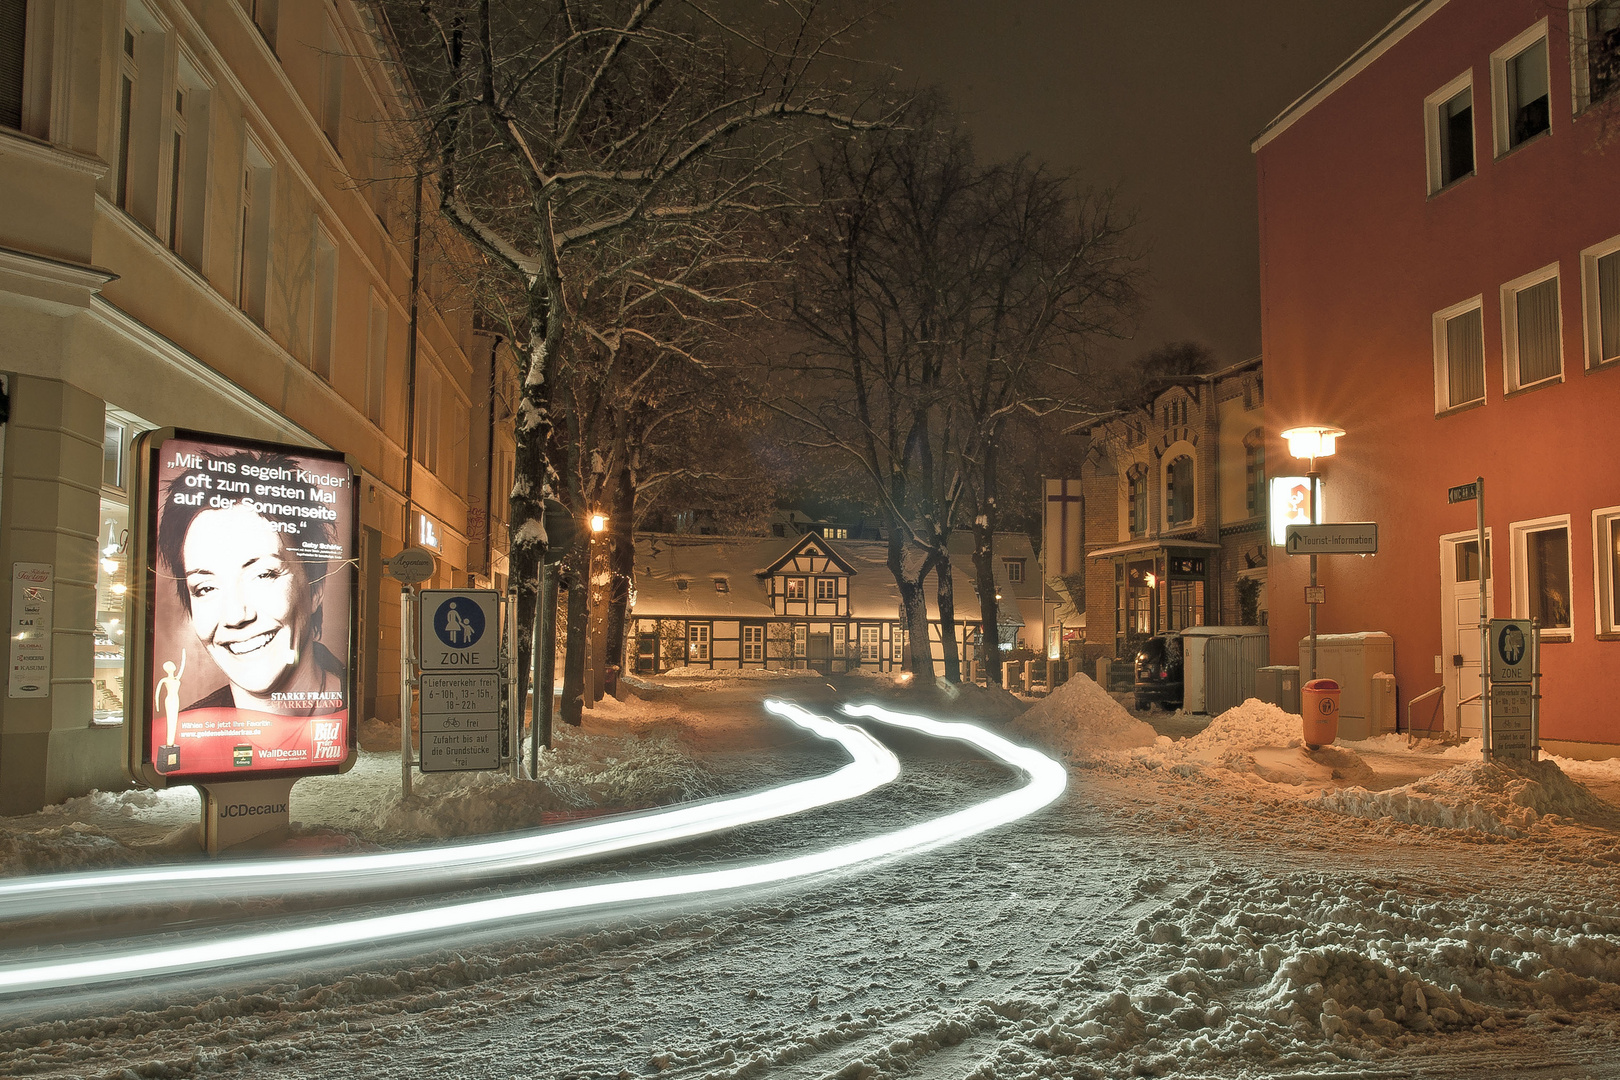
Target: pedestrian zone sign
x,y
460,630
1511,656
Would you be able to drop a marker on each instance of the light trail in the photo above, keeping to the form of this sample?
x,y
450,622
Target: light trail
x,y
1046,781
872,765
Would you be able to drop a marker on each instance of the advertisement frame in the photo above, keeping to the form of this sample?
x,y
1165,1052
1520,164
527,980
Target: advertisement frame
x,y
145,453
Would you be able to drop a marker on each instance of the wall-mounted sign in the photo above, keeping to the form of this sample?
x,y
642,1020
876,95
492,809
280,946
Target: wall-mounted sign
x,y
249,554
1291,504
1186,567
31,594
411,565
427,532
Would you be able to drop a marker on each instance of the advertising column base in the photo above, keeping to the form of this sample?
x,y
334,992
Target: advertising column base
x,y
245,813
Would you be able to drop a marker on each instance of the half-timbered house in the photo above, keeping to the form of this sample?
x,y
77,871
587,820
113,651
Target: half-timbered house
x,y
801,602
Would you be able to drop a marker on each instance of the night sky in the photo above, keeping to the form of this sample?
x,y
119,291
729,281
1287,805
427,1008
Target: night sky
x,y
1158,98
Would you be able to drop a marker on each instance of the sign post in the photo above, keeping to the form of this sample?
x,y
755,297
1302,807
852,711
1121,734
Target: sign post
x,y
459,656
410,567
1454,495
1514,663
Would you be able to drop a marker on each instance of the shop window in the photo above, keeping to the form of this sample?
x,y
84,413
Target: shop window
x,y
112,587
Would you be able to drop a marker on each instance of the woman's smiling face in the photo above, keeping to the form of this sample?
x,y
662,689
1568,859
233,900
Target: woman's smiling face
x,y
250,602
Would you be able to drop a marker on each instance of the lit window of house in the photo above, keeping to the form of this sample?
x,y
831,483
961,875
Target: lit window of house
x,y
1459,356
1532,348
697,643
1519,85
871,646
753,643
795,588
1541,580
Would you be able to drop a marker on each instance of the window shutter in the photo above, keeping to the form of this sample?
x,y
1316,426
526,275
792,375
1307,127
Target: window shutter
x,y
1465,358
1608,276
1538,332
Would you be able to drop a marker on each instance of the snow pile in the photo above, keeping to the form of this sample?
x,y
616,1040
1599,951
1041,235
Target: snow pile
x,y
1080,718
1502,798
699,671
1304,972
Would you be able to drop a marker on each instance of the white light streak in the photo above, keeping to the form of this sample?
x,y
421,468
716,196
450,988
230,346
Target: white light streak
x,y
1046,782
872,765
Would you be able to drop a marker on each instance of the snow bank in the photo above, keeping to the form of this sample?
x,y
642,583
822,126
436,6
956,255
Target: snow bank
x,y
698,671
1080,718
1503,798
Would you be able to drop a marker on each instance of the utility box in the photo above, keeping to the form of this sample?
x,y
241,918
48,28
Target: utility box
x,y
1221,662
1351,660
1279,686
1381,718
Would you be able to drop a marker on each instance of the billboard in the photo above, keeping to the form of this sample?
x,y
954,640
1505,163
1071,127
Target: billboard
x,y
1290,504
248,553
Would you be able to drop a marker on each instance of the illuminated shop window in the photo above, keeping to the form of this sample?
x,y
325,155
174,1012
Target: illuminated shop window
x,y
112,586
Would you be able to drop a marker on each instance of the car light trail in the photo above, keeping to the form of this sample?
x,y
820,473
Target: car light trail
x,y
1046,780
872,765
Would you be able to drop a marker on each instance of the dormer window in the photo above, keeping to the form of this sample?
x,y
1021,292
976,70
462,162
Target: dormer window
x,y
795,588
1015,569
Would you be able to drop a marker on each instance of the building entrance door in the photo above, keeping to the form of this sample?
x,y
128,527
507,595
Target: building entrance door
x,y
1460,567
821,652
646,654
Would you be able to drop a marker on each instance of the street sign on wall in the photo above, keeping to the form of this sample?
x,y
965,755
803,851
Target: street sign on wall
x,y
1463,492
1342,538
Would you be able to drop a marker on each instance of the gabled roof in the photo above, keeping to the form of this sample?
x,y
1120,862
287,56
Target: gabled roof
x,y
809,544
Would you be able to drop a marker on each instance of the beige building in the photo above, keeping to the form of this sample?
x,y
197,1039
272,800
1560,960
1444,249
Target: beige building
x,y
203,226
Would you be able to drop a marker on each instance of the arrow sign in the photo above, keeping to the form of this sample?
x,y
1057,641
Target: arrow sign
x,y
1344,538
1463,492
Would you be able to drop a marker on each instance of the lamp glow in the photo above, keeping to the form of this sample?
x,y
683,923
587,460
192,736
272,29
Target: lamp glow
x,y
1312,441
598,522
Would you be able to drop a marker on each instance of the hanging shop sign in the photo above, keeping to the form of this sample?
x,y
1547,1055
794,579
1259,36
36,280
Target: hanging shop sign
x,y
248,554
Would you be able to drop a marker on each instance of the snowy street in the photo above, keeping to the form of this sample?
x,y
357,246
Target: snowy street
x,y
1217,904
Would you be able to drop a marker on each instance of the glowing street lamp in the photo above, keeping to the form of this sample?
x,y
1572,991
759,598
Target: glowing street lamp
x,y
598,523
1312,442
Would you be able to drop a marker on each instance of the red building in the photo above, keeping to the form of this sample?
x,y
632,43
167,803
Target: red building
x,y
1440,277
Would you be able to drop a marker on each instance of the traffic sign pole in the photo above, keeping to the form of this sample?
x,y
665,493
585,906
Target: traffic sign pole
x,y
1484,622
406,667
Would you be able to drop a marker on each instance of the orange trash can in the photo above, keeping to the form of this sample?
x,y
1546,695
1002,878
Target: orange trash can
x,y
1319,707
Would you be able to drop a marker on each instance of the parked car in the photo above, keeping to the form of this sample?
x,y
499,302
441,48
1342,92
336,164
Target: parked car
x,y
1159,672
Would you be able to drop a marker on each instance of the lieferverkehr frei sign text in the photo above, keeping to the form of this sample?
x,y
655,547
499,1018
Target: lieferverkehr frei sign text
x,y
1343,538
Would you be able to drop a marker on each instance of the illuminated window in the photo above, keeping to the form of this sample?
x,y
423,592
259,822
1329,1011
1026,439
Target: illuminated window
x,y
1541,580
1600,288
753,643
1178,491
795,588
1532,349
1606,541
107,705
801,639
1519,86
697,649
871,645
1459,355
1448,120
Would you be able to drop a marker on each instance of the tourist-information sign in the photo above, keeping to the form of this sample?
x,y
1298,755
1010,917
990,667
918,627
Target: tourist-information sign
x,y
1343,538
461,721
460,630
1511,655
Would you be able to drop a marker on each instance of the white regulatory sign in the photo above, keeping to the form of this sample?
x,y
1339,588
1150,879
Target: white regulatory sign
x,y
461,742
1511,658
474,692
459,630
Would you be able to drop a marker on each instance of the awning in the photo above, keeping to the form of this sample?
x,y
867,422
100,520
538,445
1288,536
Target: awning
x,y
1158,543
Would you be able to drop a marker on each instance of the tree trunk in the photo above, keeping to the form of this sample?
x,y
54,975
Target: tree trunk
x,y
947,616
984,576
531,475
575,580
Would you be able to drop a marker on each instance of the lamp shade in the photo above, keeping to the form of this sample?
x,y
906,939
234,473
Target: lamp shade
x,y
1312,441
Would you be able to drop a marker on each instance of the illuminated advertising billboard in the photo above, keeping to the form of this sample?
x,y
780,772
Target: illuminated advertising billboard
x,y
249,552
1291,504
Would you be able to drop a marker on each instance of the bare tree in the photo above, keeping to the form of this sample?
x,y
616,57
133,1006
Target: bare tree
x,y
550,128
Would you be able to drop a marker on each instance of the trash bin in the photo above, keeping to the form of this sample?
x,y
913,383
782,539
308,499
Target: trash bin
x,y
1319,707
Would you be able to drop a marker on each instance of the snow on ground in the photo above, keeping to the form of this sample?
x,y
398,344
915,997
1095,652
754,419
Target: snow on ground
x,y
1079,718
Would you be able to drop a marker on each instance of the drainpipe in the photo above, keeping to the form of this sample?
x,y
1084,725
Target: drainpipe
x,y
410,358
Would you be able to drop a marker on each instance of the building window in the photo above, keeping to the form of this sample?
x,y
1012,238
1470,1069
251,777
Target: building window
x,y
1254,472
795,588
1459,355
1178,491
376,358
13,27
1015,570
1541,582
428,412
839,637
1519,86
1136,500
253,236
826,588
112,455
697,643
1448,121
753,643
264,14
801,639
722,585
323,313
902,641
1606,542
1600,288
1186,604
1596,32
870,644
1532,349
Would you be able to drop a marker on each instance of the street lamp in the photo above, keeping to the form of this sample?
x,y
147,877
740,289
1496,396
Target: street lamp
x,y
1312,442
598,523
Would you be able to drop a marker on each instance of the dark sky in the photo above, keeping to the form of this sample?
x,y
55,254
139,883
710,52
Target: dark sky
x,y
1159,98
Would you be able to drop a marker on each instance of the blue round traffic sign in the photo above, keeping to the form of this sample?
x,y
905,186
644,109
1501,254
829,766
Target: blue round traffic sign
x,y
459,622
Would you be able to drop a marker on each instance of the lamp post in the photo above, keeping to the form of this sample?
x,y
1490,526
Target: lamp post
x,y
1312,442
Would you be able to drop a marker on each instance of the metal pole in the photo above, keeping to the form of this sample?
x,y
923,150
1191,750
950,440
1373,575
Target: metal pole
x,y
548,660
1312,604
405,664
1535,690
514,723
1487,741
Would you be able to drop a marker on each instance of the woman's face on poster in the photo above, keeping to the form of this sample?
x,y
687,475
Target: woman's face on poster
x,y
250,601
